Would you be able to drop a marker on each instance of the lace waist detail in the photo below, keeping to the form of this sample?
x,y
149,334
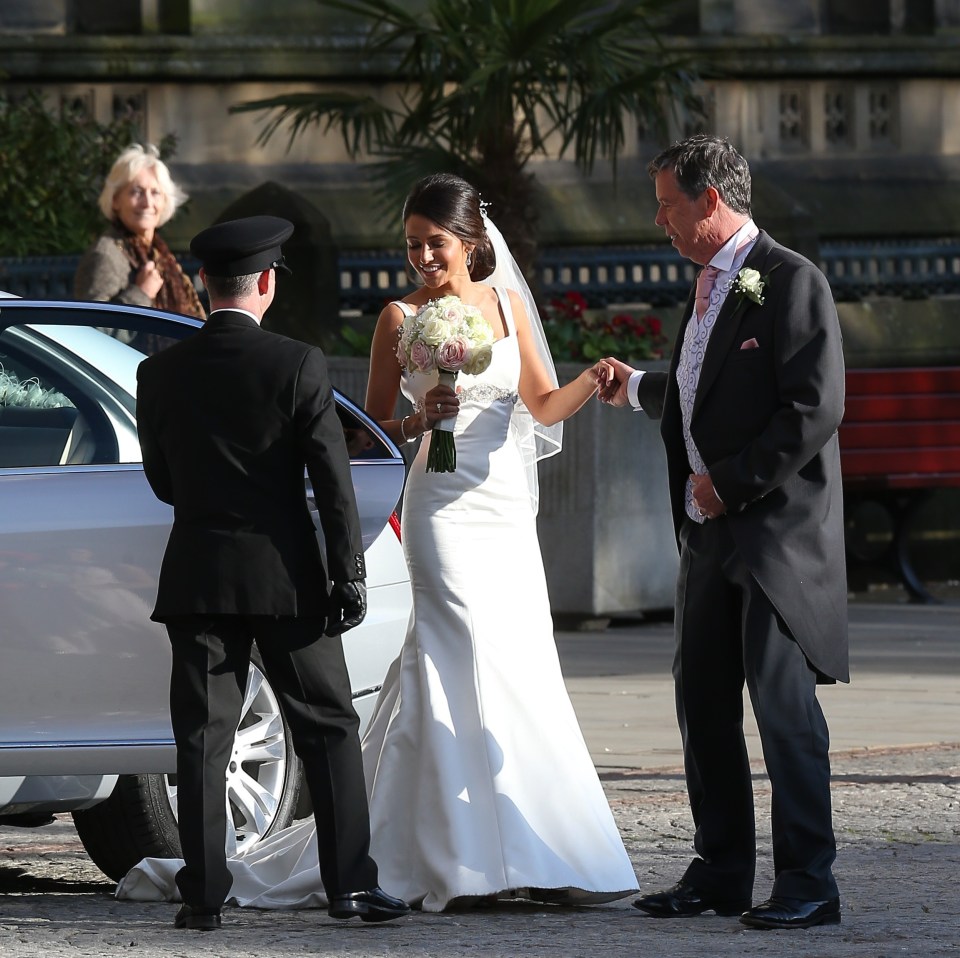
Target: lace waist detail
x,y
487,393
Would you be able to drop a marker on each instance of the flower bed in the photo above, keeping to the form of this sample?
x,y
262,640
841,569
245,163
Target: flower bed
x,y
577,334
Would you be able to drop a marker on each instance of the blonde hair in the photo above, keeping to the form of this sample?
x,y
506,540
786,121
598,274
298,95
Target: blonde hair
x,y
128,164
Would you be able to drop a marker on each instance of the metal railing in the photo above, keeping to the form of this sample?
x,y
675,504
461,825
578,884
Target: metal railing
x,y
657,275
39,277
907,269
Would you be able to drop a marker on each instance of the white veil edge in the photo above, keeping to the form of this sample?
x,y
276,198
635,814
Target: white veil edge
x,y
535,440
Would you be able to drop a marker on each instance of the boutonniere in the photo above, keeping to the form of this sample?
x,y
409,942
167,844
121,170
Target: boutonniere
x,y
749,284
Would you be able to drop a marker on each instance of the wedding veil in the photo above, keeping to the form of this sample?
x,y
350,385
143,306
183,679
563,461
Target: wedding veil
x,y
536,441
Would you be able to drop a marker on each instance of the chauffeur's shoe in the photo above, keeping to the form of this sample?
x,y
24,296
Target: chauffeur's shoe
x,y
778,912
685,901
372,905
197,919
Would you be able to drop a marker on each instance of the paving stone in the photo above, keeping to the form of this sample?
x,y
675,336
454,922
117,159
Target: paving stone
x,y
896,808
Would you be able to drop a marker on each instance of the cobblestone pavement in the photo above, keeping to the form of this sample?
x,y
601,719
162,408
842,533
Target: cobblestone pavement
x,y
898,825
897,816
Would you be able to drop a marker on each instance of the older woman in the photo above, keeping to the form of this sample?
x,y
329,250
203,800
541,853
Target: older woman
x,y
130,263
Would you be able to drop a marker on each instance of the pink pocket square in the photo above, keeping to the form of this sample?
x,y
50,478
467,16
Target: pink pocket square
x,y
749,344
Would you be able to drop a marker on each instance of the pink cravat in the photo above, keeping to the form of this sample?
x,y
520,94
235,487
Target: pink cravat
x,y
706,279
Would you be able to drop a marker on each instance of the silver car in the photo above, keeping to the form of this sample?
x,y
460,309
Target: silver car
x,y
84,715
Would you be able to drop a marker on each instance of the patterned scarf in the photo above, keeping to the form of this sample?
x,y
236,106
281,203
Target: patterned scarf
x,y
177,295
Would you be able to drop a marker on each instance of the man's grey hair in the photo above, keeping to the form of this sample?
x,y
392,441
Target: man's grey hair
x,y
231,287
704,160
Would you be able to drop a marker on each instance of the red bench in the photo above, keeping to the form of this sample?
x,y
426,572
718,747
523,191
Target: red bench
x,y
899,442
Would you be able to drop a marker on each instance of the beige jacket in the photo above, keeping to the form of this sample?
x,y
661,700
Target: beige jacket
x,y
105,274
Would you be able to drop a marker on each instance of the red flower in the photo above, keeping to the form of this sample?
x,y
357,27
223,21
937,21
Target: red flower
x,y
572,305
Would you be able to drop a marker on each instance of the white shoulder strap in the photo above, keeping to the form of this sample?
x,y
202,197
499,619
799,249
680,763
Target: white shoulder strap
x,y
405,308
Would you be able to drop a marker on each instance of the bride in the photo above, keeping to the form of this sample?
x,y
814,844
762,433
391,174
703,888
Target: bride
x,y
480,784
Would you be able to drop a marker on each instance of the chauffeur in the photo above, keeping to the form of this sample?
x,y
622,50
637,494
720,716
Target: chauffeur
x,y
228,419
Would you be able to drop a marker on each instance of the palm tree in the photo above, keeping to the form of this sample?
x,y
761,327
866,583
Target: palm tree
x,y
488,84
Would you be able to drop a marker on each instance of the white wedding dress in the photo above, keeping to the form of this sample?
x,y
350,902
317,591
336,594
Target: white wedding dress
x,y
479,779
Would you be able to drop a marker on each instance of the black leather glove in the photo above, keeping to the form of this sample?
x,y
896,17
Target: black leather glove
x,y
348,606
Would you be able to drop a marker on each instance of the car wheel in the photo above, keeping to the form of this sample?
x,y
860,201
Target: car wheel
x,y
263,785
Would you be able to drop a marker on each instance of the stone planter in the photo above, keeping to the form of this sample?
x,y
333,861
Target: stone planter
x,y
606,531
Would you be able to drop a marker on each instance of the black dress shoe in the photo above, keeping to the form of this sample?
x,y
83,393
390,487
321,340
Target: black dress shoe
x,y
793,913
372,905
684,901
197,919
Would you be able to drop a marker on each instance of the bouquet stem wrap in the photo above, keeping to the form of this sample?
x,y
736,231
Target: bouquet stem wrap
x,y
442,454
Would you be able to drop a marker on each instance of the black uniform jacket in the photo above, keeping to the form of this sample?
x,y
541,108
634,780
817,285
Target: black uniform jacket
x,y
228,419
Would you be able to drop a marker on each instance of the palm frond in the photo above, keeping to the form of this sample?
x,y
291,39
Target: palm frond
x,y
396,169
363,122
488,84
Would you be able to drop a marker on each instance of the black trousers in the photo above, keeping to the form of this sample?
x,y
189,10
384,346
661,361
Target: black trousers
x,y
307,671
728,634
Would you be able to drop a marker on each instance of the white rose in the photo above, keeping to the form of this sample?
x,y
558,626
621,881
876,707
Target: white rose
x,y
750,284
479,330
478,360
435,330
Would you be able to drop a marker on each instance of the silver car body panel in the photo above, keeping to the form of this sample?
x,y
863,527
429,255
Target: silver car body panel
x,y
50,794
84,684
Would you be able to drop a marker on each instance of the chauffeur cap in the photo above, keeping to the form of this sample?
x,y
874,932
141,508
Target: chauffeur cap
x,y
242,247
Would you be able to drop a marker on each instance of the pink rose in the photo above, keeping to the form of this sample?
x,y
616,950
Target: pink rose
x,y
421,356
452,354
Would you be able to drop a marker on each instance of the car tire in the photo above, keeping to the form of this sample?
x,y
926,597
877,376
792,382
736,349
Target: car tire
x,y
139,819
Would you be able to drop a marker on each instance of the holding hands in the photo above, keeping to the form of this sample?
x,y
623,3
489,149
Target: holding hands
x,y
600,374
613,384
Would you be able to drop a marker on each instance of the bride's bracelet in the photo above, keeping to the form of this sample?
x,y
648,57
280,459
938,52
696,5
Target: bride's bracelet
x,y
403,431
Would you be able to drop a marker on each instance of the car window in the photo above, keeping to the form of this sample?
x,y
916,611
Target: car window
x,y
143,341
71,373
68,385
362,442
50,413
38,421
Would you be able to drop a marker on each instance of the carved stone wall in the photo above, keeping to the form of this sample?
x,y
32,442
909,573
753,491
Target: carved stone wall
x,y
813,92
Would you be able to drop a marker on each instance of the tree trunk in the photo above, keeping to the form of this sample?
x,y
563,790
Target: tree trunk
x,y
501,176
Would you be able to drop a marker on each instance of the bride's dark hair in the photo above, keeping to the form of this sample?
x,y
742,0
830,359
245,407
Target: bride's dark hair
x,y
453,204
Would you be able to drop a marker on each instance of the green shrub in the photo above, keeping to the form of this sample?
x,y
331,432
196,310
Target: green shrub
x,y
52,168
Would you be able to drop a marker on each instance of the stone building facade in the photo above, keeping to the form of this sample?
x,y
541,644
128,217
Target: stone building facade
x,y
847,109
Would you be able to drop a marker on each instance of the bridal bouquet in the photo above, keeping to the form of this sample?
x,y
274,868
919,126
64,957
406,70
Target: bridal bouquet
x,y
448,336
28,393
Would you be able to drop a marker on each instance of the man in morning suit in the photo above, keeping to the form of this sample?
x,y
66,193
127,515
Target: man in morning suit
x,y
228,419
749,414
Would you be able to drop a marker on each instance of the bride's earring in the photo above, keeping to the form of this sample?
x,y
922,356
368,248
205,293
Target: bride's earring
x,y
469,259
